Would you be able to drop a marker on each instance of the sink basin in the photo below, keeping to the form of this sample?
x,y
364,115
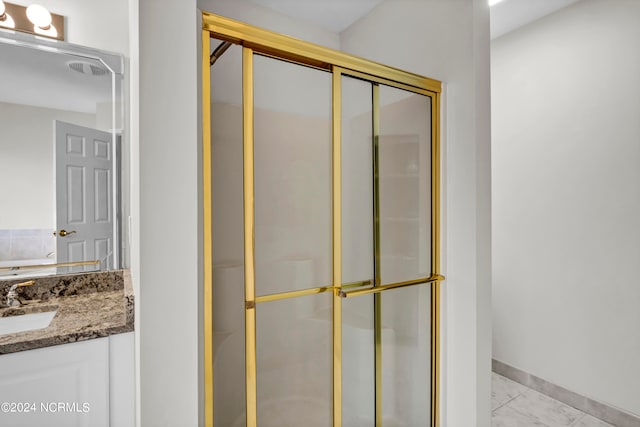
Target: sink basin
x,y
25,322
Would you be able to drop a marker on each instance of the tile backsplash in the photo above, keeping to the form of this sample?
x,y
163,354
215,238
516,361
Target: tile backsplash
x,y
26,244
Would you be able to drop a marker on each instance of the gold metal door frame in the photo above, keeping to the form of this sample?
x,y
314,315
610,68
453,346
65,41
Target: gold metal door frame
x,y
257,40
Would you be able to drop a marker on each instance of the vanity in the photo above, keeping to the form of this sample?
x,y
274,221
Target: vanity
x,y
66,300
70,360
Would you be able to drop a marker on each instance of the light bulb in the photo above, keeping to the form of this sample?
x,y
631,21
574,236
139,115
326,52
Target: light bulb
x,y
50,31
39,16
6,21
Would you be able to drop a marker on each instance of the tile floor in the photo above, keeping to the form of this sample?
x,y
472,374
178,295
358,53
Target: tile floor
x,y
514,405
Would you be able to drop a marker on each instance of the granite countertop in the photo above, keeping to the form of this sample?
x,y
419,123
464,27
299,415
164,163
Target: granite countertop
x,y
89,305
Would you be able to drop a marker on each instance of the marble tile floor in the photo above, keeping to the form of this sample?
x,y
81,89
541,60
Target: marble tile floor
x,y
514,405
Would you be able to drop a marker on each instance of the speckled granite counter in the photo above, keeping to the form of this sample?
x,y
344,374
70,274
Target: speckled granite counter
x,y
89,305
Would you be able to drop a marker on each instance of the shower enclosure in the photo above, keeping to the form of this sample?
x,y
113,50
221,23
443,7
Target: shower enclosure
x,y
321,221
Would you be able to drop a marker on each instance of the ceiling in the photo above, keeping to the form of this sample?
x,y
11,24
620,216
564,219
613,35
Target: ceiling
x,y
337,15
333,15
509,15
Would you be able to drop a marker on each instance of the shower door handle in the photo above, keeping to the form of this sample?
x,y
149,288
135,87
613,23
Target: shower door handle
x,y
381,288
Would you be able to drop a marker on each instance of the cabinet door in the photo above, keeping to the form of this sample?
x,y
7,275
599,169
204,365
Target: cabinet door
x,y
65,385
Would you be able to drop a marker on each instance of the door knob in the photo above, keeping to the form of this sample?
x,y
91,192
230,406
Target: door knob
x,y
63,233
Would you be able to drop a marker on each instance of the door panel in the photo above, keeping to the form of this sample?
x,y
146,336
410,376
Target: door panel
x,y
405,185
292,144
406,355
358,337
358,362
294,361
386,147
227,236
357,180
76,203
405,254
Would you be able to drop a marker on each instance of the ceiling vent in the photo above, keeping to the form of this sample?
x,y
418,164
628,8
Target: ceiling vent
x,y
87,68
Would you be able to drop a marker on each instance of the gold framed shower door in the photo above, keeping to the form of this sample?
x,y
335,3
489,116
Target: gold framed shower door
x,y
267,43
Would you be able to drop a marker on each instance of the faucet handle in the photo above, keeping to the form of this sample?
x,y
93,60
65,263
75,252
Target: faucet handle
x,y
23,284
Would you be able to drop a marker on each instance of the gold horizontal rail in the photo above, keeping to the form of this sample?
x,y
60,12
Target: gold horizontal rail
x,y
305,292
380,80
62,264
292,49
292,294
376,289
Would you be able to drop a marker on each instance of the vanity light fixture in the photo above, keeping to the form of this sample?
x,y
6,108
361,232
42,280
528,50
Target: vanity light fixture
x,y
6,20
35,19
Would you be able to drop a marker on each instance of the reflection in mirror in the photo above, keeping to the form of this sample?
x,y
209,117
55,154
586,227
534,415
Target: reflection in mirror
x,y
60,121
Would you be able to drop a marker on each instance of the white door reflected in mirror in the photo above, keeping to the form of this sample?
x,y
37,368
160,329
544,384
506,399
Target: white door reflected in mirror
x,y
83,176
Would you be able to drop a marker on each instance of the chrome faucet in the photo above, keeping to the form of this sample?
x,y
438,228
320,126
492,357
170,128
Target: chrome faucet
x,y
12,295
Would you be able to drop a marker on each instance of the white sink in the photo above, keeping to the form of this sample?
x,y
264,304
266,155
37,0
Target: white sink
x,y
25,322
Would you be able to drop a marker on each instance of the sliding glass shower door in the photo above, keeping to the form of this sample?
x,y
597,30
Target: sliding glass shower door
x,y
386,217
321,236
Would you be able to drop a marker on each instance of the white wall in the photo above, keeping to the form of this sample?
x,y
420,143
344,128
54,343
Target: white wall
x,y
26,163
168,221
566,212
449,40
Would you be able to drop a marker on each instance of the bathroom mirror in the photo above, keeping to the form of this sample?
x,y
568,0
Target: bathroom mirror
x,y
61,110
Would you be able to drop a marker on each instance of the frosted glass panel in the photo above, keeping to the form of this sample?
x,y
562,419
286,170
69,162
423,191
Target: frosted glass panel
x,y
405,185
294,369
357,180
228,235
406,365
292,144
358,362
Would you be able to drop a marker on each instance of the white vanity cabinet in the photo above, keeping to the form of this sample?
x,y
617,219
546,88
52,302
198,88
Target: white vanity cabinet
x,y
88,383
